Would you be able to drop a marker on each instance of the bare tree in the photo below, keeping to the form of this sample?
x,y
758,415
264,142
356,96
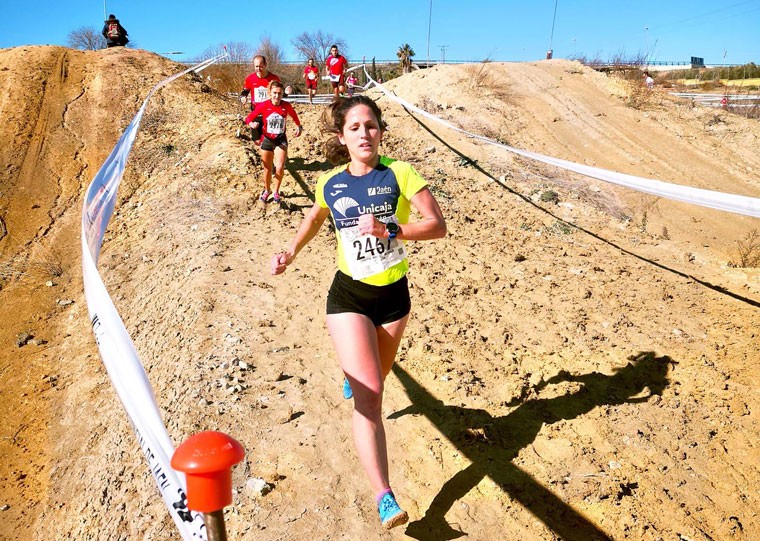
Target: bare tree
x,y
86,38
317,45
228,75
237,52
272,52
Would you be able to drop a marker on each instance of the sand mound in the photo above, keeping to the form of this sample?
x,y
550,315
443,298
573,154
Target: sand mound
x,y
579,363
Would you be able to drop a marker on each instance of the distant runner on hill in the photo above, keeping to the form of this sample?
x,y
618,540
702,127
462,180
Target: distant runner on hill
x,y
311,76
352,82
115,34
335,68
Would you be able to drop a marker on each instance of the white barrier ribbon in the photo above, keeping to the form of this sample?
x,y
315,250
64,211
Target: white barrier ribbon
x,y
739,204
116,348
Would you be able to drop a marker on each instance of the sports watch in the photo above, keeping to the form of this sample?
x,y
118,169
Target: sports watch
x,y
392,228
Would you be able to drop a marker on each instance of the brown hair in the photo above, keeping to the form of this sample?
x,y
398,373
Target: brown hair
x,y
333,120
275,83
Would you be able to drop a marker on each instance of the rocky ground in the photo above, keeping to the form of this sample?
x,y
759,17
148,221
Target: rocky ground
x,y
579,361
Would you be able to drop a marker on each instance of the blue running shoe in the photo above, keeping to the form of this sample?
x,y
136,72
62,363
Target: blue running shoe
x,y
347,391
391,515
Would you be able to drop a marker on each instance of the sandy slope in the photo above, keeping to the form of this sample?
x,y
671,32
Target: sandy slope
x,y
580,369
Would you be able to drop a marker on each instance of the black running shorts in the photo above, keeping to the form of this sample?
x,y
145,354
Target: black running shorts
x,y
381,304
271,144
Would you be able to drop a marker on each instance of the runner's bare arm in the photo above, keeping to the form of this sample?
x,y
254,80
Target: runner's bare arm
x,y
307,230
431,226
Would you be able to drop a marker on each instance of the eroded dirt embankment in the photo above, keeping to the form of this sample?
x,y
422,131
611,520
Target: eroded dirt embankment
x,y
579,363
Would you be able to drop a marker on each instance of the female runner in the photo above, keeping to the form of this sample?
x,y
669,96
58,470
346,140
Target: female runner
x,y
368,303
274,141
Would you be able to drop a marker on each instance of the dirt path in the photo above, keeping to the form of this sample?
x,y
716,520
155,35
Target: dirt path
x,y
578,365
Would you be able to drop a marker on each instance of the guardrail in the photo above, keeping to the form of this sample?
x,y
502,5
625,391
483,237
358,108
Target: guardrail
x,y
726,101
424,63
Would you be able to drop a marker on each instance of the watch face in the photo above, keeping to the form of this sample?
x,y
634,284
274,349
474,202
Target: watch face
x,y
392,227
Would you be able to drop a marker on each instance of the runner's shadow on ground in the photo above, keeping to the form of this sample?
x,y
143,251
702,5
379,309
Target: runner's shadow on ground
x,y
295,166
299,164
491,443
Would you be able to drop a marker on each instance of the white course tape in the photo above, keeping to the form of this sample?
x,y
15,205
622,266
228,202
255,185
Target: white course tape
x,y
739,204
116,348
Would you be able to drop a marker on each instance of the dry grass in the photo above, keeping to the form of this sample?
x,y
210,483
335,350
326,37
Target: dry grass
x,y
748,251
428,105
8,271
482,79
48,262
42,264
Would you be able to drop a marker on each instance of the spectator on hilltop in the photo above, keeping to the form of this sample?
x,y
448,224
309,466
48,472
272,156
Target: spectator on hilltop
x,y
115,34
648,81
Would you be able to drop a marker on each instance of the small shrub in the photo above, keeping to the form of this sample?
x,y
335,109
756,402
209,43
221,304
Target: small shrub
x,y
639,96
440,193
560,228
428,105
49,263
550,196
748,250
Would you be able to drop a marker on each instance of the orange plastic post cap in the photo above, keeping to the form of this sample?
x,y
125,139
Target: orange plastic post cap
x,y
206,459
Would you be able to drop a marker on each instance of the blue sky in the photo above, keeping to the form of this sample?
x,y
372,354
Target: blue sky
x,y
669,30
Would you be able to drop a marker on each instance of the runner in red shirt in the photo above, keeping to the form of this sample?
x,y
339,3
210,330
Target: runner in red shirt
x,y
311,76
257,84
335,68
274,143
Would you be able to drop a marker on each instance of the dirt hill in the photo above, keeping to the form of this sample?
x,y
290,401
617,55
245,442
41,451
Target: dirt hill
x,y
579,363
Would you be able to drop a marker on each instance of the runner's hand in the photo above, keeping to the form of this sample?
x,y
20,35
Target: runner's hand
x,y
369,225
280,262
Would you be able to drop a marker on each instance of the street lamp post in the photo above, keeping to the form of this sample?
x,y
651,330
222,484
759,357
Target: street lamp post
x,y
430,22
646,44
550,52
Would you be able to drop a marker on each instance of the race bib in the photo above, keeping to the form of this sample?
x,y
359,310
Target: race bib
x,y
312,75
275,125
367,255
260,94
335,78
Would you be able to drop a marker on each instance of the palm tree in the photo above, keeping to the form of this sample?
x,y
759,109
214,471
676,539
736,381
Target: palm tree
x,y
405,54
